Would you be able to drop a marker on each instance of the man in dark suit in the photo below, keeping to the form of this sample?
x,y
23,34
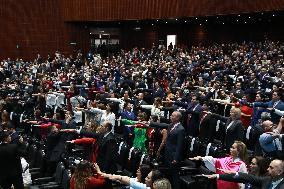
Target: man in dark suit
x,y
10,162
55,147
275,180
174,146
67,123
207,124
193,110
175,140
138,102
106,155
275,103
140,99
106,147
13,133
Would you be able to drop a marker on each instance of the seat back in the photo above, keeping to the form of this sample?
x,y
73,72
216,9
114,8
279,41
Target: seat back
x,y
193,146
59,172
134,158
32,155
251,137
39,158
65,184
122,154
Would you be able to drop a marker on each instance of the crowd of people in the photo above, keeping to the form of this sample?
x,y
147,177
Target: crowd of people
x,y
153,99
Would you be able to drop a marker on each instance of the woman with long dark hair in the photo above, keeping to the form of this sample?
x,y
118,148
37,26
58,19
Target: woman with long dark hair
x,y
85,176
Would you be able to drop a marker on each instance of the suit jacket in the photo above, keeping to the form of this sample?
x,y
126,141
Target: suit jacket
x,y
52,151
207,126
174,144
106,150
64,125
137,105
274,117
55,145
234,132
10,162
261,182
15,138
192,119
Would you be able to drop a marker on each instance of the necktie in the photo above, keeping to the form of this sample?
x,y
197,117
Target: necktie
x,y
174,126
202,118
188,119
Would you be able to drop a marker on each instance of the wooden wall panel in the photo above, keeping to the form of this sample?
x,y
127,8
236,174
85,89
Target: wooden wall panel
x,y
109,10
36,26
43,26
33,26
194,34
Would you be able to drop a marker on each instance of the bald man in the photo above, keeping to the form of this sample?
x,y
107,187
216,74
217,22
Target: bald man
x,y
274,180
270,144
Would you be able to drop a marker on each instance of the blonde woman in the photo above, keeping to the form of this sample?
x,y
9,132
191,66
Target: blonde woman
x,y
162,184
232,129
236,162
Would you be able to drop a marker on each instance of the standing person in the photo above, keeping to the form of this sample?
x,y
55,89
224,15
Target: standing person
x,y
129,115
274,180
234,162
54,149
257,111
174,146
258,166
10,162
233,129
275,103
193,113
246,110
106,115
175,140
269,142
106,146
207,124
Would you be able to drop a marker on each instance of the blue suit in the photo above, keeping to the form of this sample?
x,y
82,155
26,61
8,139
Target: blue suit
x,y
193,114
174,144
271,104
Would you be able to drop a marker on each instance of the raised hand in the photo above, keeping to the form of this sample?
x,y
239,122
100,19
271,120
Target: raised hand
x,y
214,176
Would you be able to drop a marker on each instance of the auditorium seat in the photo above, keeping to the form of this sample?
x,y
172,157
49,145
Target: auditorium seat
x,y
51,182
